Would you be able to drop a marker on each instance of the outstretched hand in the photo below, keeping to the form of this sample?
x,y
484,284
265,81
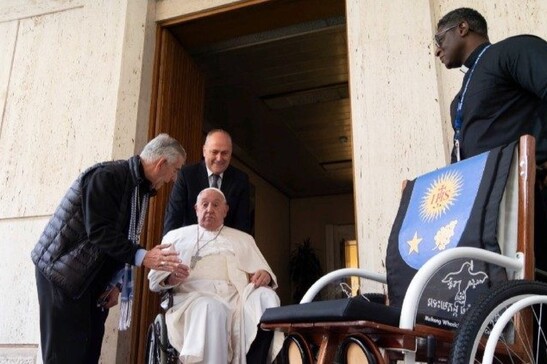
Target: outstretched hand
x,y
109,298
162,258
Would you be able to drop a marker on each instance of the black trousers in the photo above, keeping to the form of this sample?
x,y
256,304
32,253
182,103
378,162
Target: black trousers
x,y
258,352
71,331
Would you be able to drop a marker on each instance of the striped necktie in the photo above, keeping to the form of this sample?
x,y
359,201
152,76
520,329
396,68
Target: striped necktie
x,y
216,177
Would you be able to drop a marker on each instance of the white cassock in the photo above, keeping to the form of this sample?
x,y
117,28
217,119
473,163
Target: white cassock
x,y
216,304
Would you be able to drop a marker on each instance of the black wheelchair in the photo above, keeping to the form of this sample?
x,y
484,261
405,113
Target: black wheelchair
x,y
158,348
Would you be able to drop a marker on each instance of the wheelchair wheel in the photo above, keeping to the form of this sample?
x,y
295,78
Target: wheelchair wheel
x,y
516,344
157,344
358,349
296,350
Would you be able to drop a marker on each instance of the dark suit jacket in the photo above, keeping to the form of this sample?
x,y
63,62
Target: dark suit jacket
x,y
191,180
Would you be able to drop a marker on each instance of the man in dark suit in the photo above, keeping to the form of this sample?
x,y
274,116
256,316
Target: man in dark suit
x,y
214,169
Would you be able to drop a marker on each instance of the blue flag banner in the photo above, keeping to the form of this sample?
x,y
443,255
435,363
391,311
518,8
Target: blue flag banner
x,y
438,211
457,205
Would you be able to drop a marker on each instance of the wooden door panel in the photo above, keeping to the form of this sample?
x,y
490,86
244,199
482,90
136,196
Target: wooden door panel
x,y
177,109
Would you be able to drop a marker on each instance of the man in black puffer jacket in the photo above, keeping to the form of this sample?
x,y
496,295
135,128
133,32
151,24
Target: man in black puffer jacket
x,y
84,256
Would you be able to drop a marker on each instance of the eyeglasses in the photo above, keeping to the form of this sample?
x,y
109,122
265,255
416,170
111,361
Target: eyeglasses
x,y
439,37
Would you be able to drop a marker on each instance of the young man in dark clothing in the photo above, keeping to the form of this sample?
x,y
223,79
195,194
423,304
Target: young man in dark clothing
x,y
503,95
504,91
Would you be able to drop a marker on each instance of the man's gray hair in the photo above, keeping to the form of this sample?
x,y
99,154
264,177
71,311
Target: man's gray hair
x,y
163,146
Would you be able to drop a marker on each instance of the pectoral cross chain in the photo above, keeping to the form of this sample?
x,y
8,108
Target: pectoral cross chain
x,y
196,257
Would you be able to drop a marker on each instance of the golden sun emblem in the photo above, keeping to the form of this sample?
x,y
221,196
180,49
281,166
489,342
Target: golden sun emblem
x,y
441,195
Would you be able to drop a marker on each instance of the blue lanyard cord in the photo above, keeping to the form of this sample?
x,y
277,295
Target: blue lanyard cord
x,y
459,113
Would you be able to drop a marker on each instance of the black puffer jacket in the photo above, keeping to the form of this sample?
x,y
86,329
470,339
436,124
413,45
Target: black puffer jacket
x,y
96,207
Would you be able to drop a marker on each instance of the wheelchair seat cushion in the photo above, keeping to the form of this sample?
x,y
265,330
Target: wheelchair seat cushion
x,y
347,309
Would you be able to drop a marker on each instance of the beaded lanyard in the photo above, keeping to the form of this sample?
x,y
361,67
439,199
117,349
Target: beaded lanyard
x,y
134,234
459,109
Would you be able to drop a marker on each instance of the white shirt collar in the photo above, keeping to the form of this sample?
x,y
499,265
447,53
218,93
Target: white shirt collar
x,y
210,173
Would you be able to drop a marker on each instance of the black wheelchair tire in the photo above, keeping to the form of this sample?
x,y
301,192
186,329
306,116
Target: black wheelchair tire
x,y
355,343
157,344
477,320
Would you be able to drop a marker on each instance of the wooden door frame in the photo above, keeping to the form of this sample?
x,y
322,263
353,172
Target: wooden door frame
x,y
188,130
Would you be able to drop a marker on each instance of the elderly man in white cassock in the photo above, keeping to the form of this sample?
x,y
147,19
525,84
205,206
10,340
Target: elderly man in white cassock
x,y
221,289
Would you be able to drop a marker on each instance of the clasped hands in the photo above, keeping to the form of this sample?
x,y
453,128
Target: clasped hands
x,y
162,258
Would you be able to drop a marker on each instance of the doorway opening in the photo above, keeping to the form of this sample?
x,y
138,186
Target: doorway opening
x,y
276,78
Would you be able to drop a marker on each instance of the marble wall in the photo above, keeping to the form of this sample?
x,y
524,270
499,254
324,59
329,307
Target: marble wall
x,y
71,73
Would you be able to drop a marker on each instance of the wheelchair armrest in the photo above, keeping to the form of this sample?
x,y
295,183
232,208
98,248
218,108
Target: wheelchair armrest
x,y
337,274
414,292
